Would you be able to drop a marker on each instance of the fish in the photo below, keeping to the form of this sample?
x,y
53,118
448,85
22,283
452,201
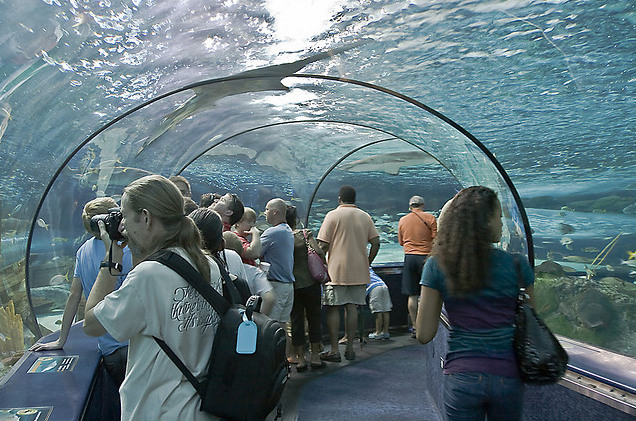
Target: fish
x,y
577,259
42,224
58,240
630,263
631,254
391,162
565,241
256,80
594,309
609,268
17,207
57,280
591,250
566,228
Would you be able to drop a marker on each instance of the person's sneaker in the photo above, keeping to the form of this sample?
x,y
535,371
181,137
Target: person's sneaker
x,y
376,336
413,334
386,335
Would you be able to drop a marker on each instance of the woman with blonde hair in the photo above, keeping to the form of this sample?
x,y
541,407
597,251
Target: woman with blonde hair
x,y
478,285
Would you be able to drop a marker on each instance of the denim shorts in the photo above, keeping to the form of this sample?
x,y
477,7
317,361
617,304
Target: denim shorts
x,y
473,396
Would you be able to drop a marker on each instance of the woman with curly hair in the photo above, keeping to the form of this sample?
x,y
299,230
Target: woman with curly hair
x,y
478,285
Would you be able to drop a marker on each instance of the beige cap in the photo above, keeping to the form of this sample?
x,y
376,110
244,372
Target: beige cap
x,y
416,201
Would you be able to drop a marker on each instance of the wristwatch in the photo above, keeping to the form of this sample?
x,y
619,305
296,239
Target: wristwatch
x,y
112,265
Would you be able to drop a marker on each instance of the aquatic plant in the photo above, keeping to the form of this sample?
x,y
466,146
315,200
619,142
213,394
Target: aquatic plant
x,y
591,270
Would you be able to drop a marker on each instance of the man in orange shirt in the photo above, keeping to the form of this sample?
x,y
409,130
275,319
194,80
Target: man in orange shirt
x,y
416,231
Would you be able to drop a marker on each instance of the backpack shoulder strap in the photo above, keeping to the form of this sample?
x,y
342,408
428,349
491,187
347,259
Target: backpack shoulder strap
x,y
194,278
229,287
181,366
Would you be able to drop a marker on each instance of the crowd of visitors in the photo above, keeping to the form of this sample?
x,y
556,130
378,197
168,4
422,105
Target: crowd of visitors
x,y
131,301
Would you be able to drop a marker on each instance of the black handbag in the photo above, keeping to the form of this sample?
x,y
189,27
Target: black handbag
x,y
540,356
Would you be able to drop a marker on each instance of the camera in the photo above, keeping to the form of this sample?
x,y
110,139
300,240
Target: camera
x,y
112,219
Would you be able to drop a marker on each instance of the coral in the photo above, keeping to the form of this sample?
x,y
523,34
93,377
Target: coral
x,y
11,331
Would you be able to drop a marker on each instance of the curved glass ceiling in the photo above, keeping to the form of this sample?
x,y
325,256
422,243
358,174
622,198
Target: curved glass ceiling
x,y
291,99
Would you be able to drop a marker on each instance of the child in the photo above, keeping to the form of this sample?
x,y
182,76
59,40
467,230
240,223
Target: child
x,y
250,237
380,305
256,278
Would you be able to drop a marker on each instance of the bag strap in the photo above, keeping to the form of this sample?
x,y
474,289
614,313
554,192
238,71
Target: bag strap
x,y
181,366
520,280
523,296
422,219
309,247
194,278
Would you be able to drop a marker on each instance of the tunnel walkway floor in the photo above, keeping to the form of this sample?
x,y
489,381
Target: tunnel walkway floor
x,y
385,381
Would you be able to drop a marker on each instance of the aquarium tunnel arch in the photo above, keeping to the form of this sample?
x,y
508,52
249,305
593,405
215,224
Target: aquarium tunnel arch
x,y
534,99
469,169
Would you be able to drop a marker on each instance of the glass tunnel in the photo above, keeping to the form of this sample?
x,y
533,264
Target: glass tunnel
x,y
272,99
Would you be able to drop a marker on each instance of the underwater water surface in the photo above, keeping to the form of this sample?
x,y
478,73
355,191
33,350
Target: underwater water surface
x,y
548,87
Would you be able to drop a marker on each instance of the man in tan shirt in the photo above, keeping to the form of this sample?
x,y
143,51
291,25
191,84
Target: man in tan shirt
x,y
416,231
343,236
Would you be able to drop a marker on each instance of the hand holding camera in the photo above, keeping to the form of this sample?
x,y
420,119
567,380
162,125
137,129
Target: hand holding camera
x,y
111,220
108,227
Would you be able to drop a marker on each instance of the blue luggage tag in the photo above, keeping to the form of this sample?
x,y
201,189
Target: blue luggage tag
x,y
246,337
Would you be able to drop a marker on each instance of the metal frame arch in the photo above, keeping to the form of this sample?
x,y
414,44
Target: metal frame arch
x,y
418,104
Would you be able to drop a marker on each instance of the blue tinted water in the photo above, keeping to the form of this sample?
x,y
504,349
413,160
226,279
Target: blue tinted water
x,y
548,86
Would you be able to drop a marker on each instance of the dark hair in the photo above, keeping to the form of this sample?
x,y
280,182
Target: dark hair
x,y
206,200
211,227
236,206
291,216
463,244
347,194
189,205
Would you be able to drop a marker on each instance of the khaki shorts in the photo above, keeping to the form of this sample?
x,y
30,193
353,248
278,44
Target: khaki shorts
x,y
282,308
380,300
338,295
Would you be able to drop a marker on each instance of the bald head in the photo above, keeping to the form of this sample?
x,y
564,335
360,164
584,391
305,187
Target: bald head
x,y
275,211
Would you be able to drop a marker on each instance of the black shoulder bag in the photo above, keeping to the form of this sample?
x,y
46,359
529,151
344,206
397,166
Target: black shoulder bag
x,y
540,356
240,385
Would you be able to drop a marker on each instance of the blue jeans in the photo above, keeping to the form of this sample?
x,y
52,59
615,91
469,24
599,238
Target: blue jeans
x,y
475,396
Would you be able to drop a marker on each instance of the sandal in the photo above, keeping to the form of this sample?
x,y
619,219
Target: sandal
x,y
318,366
301,368
350,355
328,356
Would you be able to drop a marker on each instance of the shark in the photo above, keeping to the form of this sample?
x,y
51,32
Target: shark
x,y
391,163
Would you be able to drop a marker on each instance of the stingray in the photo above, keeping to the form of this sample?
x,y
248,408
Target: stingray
x,y
390,162
263,79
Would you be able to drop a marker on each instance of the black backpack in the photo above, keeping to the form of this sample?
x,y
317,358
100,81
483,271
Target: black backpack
x,y
237,387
